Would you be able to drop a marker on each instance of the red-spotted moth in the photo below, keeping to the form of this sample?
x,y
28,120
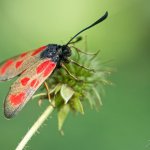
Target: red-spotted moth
x,y
34,67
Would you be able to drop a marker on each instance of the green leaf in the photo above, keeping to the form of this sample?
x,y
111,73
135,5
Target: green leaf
x,y
98,96
66,92
57,88
77,105
58,101
62,114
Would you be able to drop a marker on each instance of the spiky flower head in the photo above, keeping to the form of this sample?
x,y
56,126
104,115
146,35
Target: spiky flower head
x,y
70,95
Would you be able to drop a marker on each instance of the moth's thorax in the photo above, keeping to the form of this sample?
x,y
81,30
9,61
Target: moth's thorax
x,y
57,53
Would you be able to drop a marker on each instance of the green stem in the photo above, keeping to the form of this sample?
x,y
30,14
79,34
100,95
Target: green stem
x,y
38,95
36,126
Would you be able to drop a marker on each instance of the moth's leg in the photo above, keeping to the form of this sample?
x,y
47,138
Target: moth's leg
x,y
86,68
69,73
79,50
48,91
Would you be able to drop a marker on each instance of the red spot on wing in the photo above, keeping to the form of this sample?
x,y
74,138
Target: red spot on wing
x,y
24,81
17,99
42,66
6,65
49,69
23,54
34,83
37,83
19,63
38,50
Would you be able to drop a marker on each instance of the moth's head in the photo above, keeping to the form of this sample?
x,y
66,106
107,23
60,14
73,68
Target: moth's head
x,y
65,53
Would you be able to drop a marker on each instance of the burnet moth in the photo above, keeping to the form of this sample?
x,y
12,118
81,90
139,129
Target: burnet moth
x,y
34,67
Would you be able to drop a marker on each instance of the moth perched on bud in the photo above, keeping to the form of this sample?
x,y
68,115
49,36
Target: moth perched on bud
x,y
34,67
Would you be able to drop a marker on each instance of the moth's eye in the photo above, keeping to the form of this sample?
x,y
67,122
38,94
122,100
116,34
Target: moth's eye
x,y
67,52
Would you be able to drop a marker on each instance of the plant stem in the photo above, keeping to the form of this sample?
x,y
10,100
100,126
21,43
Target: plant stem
x,y
36,126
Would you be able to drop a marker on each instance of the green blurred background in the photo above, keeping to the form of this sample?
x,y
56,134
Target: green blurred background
x,y
123,123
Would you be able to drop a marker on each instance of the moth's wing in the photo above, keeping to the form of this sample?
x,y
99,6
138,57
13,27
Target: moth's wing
x,y
16,65
26,85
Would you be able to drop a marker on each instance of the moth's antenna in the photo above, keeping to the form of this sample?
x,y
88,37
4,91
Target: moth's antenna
x,y
95,23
